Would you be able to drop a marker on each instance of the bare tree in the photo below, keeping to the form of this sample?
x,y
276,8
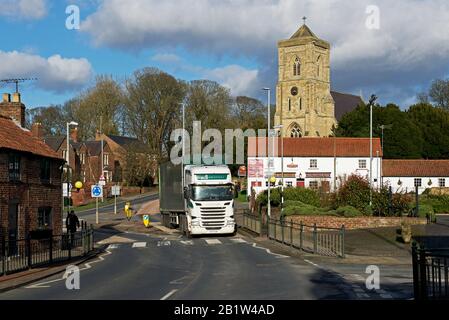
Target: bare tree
x,y
439,93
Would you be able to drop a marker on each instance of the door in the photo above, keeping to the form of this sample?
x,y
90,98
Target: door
x,y
13,219
325,185
300,183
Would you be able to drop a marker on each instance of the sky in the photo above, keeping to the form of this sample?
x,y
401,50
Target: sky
x,y
393,49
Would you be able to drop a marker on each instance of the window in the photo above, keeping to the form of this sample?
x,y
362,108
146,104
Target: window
x,y
362,164
313,185
297,67
106,159
318,64
45,170
289,105
289,184
296,132
300,103
44,217
418,182
14,167
313,163
442,182
83,158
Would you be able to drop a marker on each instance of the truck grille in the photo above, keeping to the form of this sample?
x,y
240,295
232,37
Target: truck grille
x,y
213,218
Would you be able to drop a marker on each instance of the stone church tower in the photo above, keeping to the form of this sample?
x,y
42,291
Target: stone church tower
x,y
304,104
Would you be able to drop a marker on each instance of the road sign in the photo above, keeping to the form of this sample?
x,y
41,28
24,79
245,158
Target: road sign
x,y
102,181
115,190
242,171
66,190
97,191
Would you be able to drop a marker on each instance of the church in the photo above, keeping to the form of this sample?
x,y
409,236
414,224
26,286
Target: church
x,y
305,104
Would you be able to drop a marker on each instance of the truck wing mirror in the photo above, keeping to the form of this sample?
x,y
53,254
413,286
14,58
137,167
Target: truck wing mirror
x,y
186,193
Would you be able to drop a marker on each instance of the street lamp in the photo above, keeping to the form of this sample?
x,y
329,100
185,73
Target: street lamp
x,y
371,103
280,127
268,90
67,155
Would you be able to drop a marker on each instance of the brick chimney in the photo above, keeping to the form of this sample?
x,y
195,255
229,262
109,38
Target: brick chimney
x,y
37,130
14,109
74,135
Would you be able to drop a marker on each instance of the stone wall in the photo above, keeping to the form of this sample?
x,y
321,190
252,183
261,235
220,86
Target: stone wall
x,y
354,223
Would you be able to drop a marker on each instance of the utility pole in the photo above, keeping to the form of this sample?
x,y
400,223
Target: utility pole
x,y
102,151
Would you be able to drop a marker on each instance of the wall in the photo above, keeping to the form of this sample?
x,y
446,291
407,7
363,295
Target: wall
x,y
354,223
408,183
30,193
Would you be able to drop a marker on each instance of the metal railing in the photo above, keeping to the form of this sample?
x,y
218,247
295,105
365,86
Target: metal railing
x,y
430,273
312,239
23,254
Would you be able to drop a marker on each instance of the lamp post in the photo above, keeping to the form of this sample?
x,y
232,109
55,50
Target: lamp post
x,y
371,103
67,155
280,127
268,90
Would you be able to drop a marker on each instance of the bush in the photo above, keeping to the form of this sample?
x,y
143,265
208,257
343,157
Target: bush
x,y
354,192
306,210
440,203
348,211
426,210
307,196
275,197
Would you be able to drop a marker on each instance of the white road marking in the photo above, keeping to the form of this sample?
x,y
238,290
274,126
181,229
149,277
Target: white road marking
x,y
313,264
187,242
139,244
112,246
168,295
163,243
87,265
362,295
238,240
178,281
213,241
278,256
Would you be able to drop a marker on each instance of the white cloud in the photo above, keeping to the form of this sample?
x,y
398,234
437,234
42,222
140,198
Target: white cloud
x,y
24,9
55,73
410,48
239,80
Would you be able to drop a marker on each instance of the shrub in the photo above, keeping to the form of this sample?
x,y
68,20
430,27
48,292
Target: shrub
x,y
440,203
348,211
275,197
307,196
305,210
353,192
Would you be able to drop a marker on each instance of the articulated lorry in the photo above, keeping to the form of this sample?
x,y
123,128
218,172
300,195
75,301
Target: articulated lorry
x,y
197,199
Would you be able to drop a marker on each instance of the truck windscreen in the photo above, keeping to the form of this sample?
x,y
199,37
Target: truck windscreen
x,y
212,193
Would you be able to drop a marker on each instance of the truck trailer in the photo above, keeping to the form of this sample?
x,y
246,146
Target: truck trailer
x,y
197,199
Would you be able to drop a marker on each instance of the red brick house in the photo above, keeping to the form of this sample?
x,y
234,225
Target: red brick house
x,y
30,176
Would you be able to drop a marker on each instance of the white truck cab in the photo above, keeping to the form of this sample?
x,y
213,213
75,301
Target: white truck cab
x,y
209,196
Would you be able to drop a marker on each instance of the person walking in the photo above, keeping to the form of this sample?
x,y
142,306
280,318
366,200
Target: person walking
x,y
72,224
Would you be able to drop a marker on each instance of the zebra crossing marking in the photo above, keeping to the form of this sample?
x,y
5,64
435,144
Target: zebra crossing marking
x,y
187,242
238,240
213,241
139,244
112,246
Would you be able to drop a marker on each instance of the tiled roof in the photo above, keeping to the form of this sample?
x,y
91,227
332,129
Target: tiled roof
x,y
14,137
94,147
415,168
128,142
54,141
344,103
320,147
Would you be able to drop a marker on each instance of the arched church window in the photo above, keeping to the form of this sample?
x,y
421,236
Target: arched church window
x,y
296,132
318,66
300,103
297,67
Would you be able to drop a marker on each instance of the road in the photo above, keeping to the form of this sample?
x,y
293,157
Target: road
x,y
214,268
136,202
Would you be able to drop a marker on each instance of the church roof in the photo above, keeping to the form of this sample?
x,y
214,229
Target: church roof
x,y
344,103
304,32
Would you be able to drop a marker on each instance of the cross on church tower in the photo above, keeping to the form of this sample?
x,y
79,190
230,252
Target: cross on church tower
x,y
304,19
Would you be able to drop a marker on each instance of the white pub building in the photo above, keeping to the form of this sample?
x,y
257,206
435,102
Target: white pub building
x,y
311,162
